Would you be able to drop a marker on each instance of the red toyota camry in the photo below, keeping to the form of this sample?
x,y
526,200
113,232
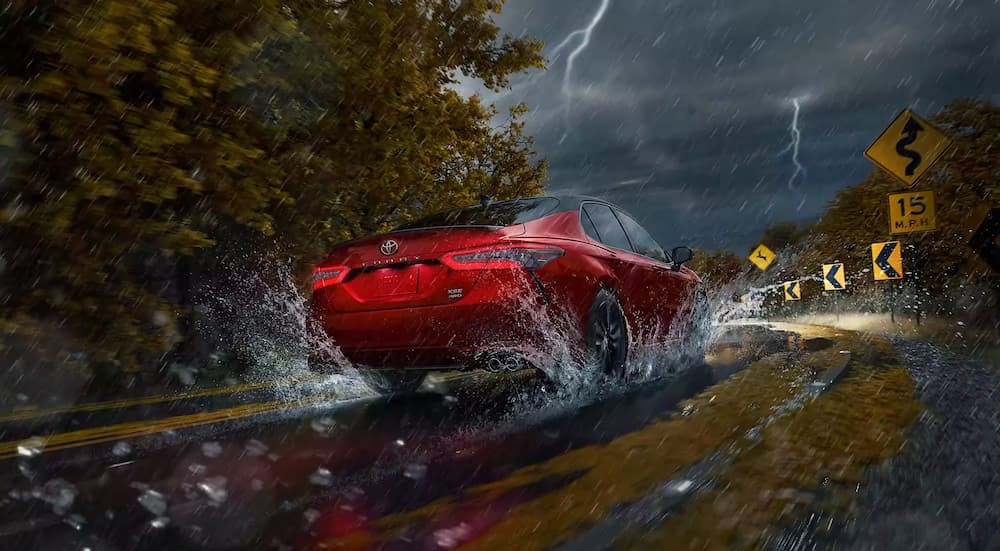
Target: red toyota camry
x,y
486,286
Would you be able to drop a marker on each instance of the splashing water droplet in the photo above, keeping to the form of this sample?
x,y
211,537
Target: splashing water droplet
x,y
415,471
58,493
322,477
121,449
310,515
159,522
255,448
211,450
323,425
154,502
31,447
75,521
214,489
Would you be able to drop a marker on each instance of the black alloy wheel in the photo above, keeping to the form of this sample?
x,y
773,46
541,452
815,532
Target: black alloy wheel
x,y
607,334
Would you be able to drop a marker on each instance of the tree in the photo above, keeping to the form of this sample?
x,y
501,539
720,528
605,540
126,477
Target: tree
x,y
719,269
965,185
134,134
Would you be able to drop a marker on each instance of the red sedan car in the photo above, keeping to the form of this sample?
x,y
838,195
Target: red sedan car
x,y
486,285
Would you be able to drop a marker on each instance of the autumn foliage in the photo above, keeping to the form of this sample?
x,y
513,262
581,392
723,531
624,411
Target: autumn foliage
x,y
139,138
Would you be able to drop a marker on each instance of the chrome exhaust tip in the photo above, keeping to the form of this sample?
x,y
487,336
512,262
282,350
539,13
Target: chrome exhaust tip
x,y
501,362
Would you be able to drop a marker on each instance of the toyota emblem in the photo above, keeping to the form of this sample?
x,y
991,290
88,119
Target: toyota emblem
x,y
389,248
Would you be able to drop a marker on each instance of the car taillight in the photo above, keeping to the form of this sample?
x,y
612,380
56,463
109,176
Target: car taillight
x,y
531,258
324,276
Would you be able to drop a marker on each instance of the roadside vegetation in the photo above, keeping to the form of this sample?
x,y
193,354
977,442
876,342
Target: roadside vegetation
x,y
944,277
152,149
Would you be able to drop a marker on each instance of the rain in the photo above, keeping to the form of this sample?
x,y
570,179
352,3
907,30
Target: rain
x,y
525,274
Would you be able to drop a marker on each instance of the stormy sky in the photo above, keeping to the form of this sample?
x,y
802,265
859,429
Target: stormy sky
x,y
680,111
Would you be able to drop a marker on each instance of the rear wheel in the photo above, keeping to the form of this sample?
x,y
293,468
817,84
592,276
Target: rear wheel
x,y
607,334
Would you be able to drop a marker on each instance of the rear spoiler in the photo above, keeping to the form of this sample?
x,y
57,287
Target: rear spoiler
x,y
462,227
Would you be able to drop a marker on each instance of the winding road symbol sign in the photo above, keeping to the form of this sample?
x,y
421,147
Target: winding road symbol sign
x,y
908,147
834,278
792,290
762,257
887,260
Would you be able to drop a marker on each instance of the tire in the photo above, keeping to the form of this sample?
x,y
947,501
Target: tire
x,y
695,342
607,334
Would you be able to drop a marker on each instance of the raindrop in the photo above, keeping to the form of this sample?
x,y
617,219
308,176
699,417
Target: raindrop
x,y
214,489
311,515
449,538
121,449
211,449
159,522
153,502
415,471
58,493
322,477
31,447
255,448
75,521
323,425
681,486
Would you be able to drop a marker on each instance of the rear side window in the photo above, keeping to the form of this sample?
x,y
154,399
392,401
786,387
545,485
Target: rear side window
x,y
603,221
500,213
642,242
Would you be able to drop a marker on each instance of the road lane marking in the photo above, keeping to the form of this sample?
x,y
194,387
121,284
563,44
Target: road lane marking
x,y
146,400
134,429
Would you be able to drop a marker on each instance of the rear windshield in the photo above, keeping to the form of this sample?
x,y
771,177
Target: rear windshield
x,y
500,213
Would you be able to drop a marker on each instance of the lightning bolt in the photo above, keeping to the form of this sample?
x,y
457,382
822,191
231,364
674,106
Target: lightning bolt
x,y
793,146
585,33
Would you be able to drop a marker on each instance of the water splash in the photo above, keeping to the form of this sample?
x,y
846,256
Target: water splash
x,y
260,321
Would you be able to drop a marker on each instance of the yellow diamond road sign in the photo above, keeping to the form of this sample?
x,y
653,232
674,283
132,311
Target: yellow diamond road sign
x,y
908,148
887,260
910,212
793,291
834,278
762,257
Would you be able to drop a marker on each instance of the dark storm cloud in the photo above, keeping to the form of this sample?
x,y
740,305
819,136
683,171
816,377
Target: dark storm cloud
x,y
679,109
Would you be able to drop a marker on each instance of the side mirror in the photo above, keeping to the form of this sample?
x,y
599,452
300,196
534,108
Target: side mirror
x,y
680,255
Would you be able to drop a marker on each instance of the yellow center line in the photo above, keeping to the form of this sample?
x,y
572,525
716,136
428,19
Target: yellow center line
x,y
146,400
86,437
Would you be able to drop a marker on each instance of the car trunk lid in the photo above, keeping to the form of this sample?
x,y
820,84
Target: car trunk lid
x,y
402,269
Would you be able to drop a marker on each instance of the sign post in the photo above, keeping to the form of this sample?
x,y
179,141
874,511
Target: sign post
x,y
887,264
834,279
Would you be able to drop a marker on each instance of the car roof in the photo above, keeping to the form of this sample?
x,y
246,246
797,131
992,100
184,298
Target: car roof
x,y
569,202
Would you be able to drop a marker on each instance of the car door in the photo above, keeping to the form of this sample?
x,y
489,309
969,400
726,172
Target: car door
x,y
669,290
635,273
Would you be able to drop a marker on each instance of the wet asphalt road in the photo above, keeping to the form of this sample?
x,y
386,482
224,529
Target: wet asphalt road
x,y
295,479
943,490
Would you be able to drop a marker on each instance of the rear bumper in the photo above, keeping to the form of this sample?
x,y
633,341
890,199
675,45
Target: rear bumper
x,y
444,336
